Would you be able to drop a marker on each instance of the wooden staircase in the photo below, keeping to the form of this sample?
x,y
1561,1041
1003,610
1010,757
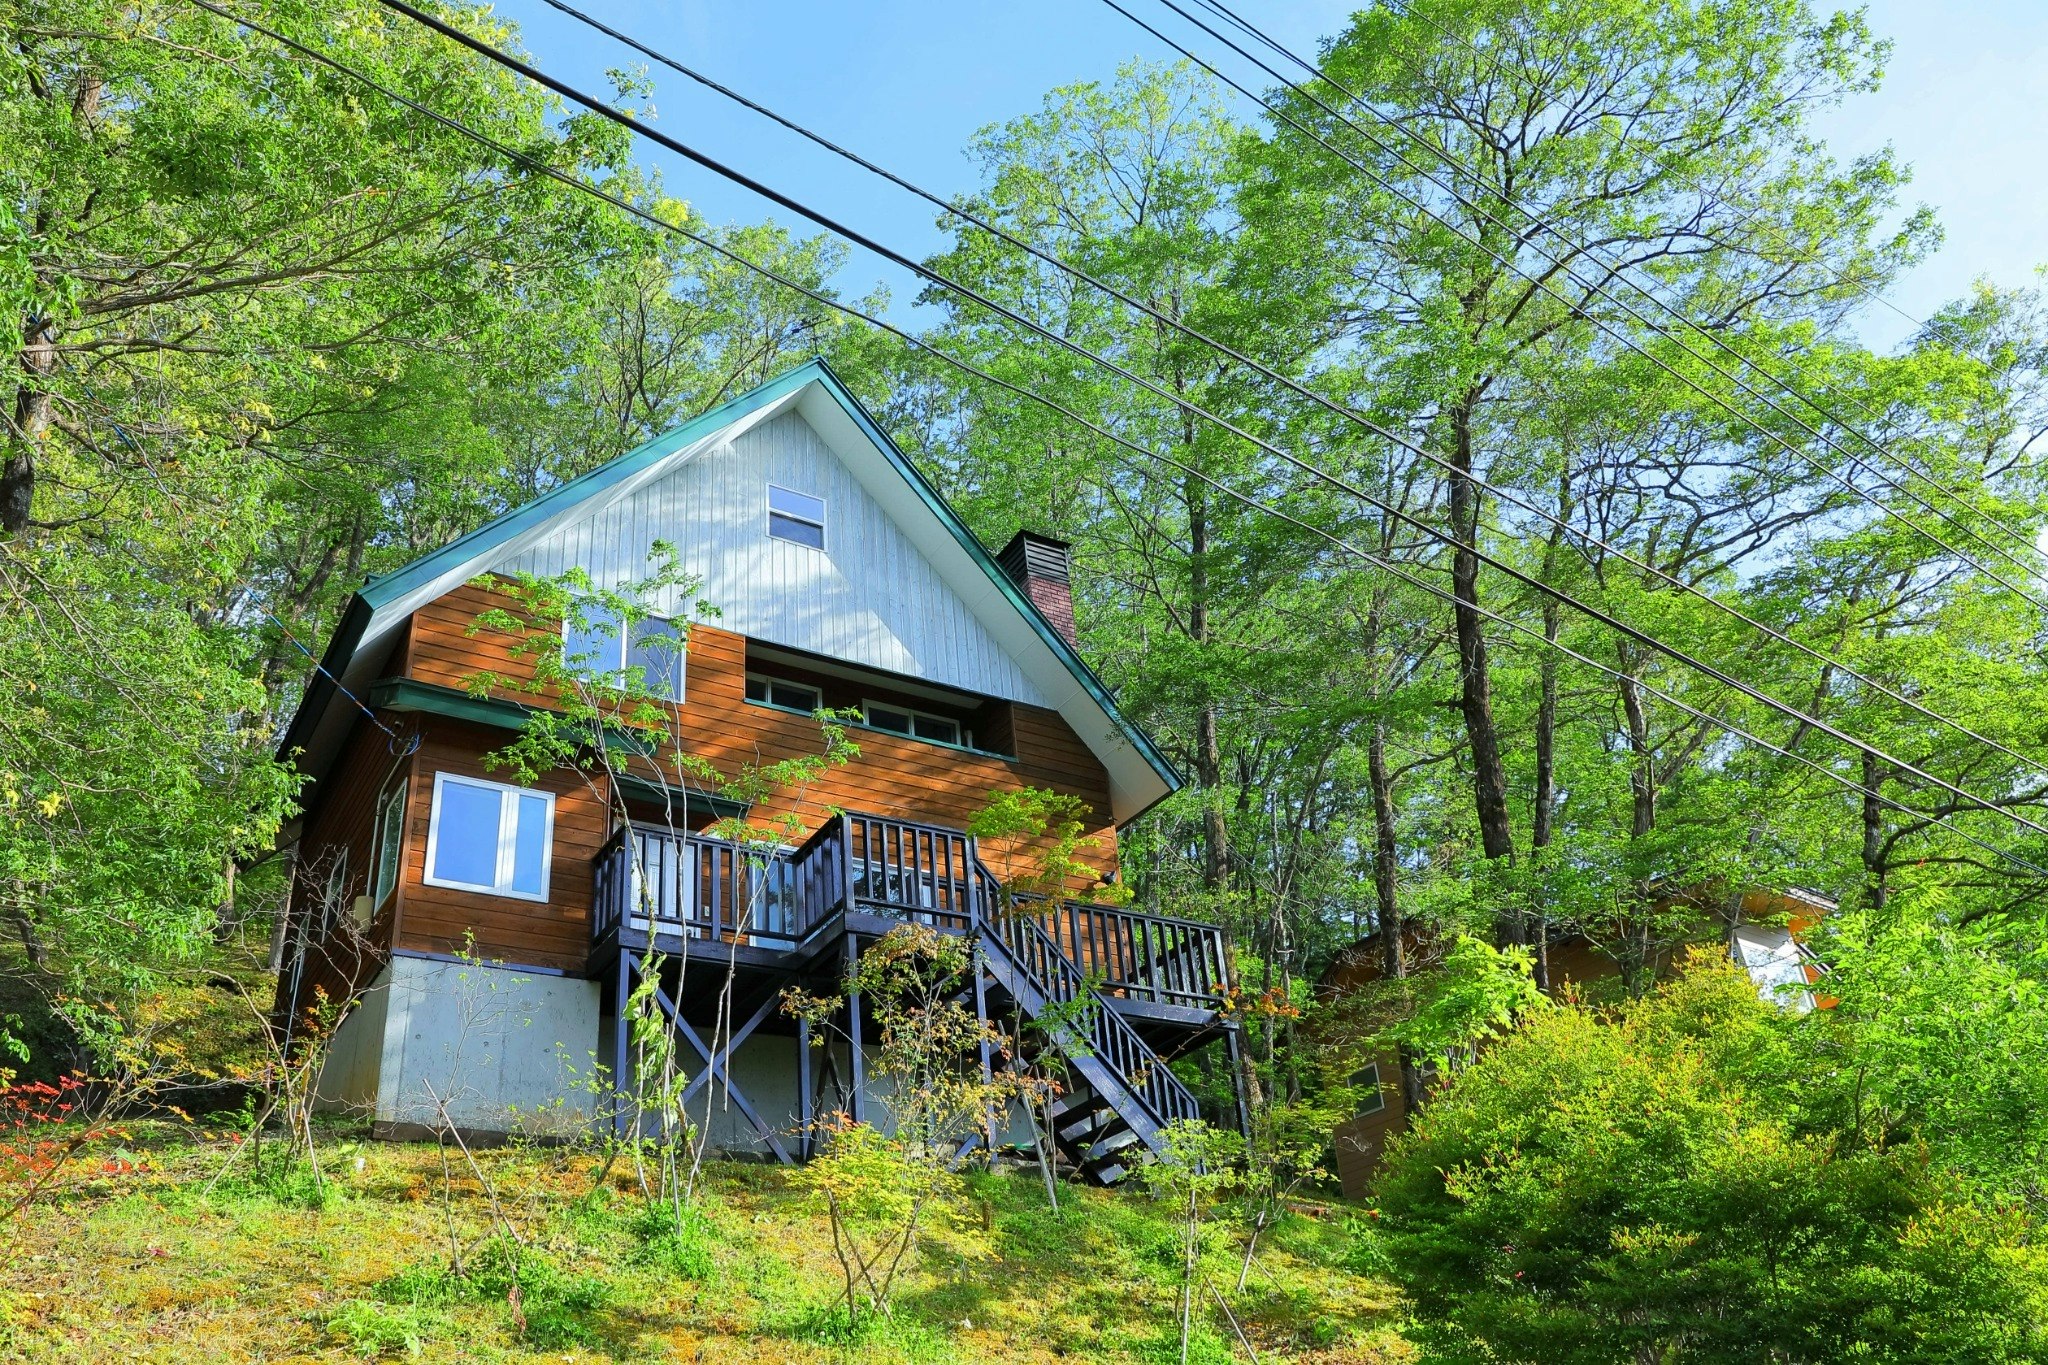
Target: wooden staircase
x,y
1121,1094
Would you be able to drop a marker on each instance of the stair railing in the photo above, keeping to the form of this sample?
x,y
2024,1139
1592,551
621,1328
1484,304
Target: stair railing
x,y
1110,1038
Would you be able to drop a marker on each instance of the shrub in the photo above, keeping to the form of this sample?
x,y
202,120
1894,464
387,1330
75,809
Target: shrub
x,y
1634,1187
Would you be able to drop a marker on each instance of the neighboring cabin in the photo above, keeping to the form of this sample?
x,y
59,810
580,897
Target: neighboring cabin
x,y
490,932
1764,942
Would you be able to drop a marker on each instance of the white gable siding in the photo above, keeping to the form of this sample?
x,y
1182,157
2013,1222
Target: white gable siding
x,y
868,598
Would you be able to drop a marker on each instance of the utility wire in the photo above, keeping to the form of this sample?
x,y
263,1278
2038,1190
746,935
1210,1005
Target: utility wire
x,y
1252,503
830,224
1541,283
1613,271
1340,410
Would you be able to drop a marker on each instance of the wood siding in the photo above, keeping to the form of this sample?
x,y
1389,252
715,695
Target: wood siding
x,y
894,775
440,919
338,822
869,597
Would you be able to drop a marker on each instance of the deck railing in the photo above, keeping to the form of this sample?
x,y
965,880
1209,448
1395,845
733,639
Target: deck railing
x,y
653,879
662,881
1153,958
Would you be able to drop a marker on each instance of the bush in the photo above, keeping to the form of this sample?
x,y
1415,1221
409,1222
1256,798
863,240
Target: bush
x,y
548,1306
1634,1187
679,1245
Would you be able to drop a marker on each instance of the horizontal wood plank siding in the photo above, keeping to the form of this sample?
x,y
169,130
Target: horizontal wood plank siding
x,y
893,775
443,919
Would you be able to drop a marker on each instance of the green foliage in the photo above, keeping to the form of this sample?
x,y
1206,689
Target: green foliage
x,y
374,1329
1476,995
1640,1187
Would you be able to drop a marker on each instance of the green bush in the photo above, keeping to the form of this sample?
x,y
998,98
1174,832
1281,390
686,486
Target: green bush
x,y
680,1245
1635,1187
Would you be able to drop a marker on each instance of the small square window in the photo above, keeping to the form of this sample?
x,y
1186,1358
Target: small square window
x,y
936,727
1372,1098
888,718
796,517
780,692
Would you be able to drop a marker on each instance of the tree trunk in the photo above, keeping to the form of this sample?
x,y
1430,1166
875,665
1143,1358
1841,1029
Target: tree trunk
x,y
1543,820
1208,744
1874,879
1475,678
1387,889
28,416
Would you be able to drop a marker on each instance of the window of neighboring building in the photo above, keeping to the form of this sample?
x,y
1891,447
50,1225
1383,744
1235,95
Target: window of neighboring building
x,y
796,517
597,645
901,720
1371,1099
486,836
389,844
332,897
780,692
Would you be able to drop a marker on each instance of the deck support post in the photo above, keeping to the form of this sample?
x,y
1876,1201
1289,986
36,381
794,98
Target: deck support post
x,y
857,1102
805,1104
1235,1035
987,1051
622,992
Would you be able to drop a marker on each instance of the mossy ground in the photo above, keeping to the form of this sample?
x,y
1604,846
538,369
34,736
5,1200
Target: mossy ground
x,y
151,1266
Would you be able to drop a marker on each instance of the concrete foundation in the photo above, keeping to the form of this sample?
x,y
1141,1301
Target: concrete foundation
x,y
488,1049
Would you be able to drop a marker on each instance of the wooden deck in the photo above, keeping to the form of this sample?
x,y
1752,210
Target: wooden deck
x,y
787,915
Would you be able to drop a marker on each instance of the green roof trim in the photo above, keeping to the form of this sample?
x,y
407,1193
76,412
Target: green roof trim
x,y
1063,651
410,694
383,591
379,592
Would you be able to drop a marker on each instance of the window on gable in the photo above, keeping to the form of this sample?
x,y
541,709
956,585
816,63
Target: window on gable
x,y
780,692
901,720
1371,1099
796,517
595,644
486,836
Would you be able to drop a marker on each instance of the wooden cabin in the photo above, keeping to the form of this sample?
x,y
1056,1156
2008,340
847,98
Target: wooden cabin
x,y
1764,942
483,933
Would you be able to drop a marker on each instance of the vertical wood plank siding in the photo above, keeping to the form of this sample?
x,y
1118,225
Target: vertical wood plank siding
x,y
869,597
894,775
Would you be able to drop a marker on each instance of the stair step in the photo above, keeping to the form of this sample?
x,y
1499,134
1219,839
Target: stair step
x,y
1110,1146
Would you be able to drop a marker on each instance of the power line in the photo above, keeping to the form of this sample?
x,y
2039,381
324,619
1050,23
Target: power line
x,y
1613,271
1594,290
1343,411
1364,555
590,102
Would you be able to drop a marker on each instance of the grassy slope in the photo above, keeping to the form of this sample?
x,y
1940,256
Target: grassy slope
x,y
148,1266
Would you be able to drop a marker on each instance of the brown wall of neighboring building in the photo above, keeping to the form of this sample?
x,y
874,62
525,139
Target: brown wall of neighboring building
x,y
1575,961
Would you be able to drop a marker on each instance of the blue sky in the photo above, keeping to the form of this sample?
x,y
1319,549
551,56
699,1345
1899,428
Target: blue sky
x,y
908,82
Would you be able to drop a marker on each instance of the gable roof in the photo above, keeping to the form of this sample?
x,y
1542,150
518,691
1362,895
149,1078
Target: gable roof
x,y
1139,774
